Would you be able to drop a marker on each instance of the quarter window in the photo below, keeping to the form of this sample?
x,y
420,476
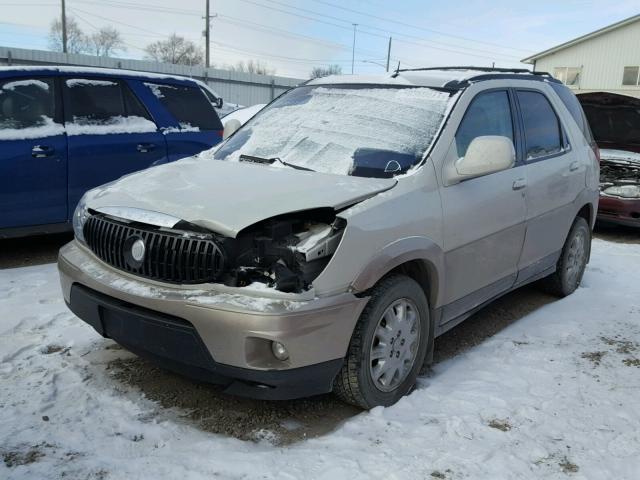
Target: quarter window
x,y
631,76
488,114
188,105
26,103
568,75
543,135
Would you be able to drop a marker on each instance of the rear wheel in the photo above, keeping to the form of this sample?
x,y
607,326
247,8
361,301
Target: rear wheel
x,y
573,261
388,345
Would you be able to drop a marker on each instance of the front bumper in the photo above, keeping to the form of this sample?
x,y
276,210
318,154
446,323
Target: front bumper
x,y
619,211
218,337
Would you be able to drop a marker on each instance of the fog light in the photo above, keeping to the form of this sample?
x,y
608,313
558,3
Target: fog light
x,y
279,351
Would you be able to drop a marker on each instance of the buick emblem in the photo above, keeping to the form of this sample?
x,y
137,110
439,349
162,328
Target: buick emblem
x,y
134,251
138,250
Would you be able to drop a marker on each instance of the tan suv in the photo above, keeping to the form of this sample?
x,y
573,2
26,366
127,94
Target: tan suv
x,y
326,243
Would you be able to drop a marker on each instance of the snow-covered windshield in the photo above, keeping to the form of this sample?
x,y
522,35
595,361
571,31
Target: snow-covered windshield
x,y
350,130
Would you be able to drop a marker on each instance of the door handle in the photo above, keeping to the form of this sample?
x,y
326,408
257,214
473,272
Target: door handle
x,y
41,151
519,184
145,147
574,166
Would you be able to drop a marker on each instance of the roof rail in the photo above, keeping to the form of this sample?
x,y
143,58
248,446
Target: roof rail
x,y
478,69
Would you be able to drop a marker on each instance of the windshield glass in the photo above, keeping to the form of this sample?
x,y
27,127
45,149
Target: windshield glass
x,y
348,130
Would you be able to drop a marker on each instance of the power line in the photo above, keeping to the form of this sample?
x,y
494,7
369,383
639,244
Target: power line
x,y
397,22
491,55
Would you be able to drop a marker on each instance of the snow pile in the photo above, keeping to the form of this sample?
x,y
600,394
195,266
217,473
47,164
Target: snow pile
x,y
321,128
47,128
119,124
26,83
156,89
86,82
555,395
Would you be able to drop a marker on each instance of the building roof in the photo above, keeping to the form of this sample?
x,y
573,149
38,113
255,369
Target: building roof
x,y
588,36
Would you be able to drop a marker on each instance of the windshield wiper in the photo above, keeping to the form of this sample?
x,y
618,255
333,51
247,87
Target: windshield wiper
x,y
271,161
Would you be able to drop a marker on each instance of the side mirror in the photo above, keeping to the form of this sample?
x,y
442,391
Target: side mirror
x,y
219,102
231,127
485,155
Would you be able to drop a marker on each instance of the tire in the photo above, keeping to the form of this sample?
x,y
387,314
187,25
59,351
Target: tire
x,y
572,262
380,327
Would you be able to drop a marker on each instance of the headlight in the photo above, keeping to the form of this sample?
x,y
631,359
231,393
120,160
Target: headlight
x,y
79,218
624,191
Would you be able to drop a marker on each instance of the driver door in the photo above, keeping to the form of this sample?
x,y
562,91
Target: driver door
x,y
484,217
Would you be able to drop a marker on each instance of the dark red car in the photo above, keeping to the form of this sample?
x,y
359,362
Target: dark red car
x,y
615,122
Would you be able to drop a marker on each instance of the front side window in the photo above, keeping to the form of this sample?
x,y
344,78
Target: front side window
x,y
568,75
101,106
488,114
631,76
188,105
27,106
543,134
358,130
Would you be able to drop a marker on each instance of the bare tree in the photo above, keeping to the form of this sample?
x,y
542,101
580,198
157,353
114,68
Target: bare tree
x,y
319,72
106,42
253,66
77,41
175,49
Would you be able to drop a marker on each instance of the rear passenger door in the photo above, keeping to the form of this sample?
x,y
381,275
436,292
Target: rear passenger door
x,y
110,133
555,178
33,153
197,126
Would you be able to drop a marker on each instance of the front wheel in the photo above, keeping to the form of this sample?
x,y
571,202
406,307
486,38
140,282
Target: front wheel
x,y
573,261
388,345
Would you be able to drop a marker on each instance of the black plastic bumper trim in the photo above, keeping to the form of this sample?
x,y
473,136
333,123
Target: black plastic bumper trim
x,y
174,343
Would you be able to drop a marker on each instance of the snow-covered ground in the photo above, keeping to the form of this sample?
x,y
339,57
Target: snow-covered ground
x,y
555,395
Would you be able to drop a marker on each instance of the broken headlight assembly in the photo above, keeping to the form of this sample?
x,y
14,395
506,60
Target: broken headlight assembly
x,y
285,253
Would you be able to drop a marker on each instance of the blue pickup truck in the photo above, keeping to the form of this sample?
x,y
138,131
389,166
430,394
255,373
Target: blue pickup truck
x,y
65,130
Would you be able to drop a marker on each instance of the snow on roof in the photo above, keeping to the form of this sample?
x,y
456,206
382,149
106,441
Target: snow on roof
x,y
422,78
98,71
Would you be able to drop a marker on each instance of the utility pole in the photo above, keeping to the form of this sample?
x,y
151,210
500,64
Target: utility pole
x,y
207,36
64,27
353,51
389,54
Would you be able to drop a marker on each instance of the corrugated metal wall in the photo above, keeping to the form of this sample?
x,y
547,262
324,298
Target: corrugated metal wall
x,y
602,59
234,87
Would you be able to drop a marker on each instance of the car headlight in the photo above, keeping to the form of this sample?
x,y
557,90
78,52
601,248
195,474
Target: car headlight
x,y
624,191
79,218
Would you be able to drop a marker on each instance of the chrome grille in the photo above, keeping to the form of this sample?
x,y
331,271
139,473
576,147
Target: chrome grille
x,y
170,256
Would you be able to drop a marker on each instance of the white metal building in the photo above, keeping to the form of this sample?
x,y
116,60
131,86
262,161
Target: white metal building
x,y
605,60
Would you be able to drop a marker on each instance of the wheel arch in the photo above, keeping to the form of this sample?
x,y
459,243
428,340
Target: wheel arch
x,y
416,257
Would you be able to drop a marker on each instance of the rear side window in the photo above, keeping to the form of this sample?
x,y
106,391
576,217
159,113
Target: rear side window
x,y
98,101
103,106
26,103
188,105
488,114
575,109
543,134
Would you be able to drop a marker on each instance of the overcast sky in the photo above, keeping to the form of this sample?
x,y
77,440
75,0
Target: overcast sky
x,y
293,36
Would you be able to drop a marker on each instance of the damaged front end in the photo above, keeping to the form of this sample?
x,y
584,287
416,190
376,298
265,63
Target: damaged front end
x,y
285,253
620,175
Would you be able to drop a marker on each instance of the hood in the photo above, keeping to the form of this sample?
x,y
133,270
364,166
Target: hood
x,y
614,119
226,197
